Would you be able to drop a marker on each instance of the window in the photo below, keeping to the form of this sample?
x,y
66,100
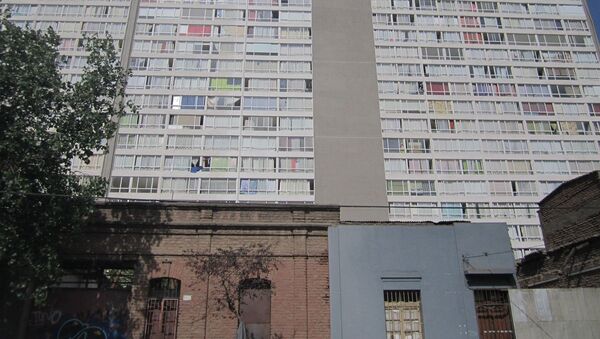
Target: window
x,y
224,103
296,164
256,164
523,233
413,187
217,186
403,318
258,186
493,314
161,308
134,184
104,277
255,307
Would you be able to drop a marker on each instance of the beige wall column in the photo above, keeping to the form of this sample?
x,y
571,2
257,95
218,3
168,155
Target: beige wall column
x,y
349,167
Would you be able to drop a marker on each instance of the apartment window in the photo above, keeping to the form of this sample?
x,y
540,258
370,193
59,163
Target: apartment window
x,y
190,64
538,108
514,188
137,162
223,103
584,147
255,164
570,109
217,186
188,102
190,83
182,163
260,123
546,147
184,142
542,127
257,186
295,123
551,167
259,143
508,166
260,103
493,314
193,13
523,233
546,187
461,188
299,144
403,319
221,122
296,187
456,145
575,127
162,308
142,121
576,25
582,167
225,84
585,57
94,163
229,14
225,65
296,165
221,142
396,166
177,121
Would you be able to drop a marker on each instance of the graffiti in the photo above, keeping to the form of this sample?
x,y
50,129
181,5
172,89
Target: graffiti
x,y
78,316
75,329
100,324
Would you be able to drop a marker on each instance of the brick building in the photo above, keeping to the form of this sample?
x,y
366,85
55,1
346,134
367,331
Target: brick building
x,y
570,218
132,274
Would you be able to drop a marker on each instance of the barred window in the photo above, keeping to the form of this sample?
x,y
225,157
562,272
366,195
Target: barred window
x,y
403,318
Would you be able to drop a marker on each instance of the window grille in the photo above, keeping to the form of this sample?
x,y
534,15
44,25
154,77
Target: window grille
x,y
403,318
493,314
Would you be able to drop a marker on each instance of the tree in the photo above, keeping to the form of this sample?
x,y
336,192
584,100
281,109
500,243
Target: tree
x,y
44,124
237,271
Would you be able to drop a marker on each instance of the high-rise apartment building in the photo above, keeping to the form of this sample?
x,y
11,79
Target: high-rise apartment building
x,y
400,109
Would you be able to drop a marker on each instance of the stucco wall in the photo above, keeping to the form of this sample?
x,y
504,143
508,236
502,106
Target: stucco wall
x,y
349,166
556,313
365,260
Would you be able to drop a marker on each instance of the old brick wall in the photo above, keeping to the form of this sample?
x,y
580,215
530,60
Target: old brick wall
x,y
572,212
570,266
161,237
570,220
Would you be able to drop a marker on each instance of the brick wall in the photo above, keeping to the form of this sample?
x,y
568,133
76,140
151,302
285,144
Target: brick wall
x,y
572,212
570,221
569,266
160,239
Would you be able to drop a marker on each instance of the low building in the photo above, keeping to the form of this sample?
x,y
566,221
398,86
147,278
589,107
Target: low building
x,y
420,281
570,221
133,273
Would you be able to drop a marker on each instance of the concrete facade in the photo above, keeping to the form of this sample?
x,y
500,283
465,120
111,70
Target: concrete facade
x,y
348,159
437,260
482,108
556,313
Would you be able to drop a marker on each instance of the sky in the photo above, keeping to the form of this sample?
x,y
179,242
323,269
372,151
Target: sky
x,y
595,9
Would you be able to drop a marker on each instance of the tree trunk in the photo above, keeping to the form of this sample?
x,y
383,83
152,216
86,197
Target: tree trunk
x,y
25,311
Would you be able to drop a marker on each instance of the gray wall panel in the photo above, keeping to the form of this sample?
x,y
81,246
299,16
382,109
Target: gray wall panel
x,y
348,150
